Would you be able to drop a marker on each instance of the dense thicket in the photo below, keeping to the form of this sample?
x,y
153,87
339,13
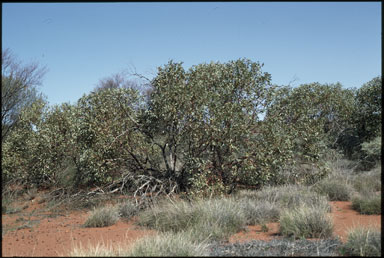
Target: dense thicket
x,y
207,129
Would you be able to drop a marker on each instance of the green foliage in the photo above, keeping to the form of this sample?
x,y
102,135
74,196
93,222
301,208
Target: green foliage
x,y
300,173
373,148
311,118
200,129
368,109
48,150
365,120
363,242
21,151
56,134
204,120
315,113
371,153
106,136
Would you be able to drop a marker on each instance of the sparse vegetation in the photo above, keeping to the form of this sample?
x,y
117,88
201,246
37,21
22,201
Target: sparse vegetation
x,y
7,205
31,194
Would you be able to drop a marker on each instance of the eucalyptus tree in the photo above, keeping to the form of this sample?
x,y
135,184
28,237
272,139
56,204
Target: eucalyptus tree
x,y
18,89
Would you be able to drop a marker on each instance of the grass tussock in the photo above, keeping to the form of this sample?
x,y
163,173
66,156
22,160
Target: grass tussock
x,y
168,244
213,219
102,217
169,216
334,190
290,196
127,209
363,242
163,244
367,181
306,222
367,204
99,250
259,212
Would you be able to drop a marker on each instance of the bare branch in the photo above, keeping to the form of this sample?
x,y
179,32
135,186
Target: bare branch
x,y
18,88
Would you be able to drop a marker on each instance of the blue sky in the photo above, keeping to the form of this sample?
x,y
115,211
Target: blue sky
x,y
81,43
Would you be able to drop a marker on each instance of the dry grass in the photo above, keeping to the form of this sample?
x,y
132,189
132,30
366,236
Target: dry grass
x,y
102,217
363,241
306,222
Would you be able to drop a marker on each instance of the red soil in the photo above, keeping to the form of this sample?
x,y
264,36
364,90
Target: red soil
x,y
57,236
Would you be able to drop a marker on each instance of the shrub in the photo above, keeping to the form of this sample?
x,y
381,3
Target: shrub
x,y
168,244
306,222
363,242
106,136
303,174
219,108
367,117
102,217
367,204
370,153
334,190
372,149
312,116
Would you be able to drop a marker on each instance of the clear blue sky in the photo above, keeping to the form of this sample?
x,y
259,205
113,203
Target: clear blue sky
x,y
81,43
